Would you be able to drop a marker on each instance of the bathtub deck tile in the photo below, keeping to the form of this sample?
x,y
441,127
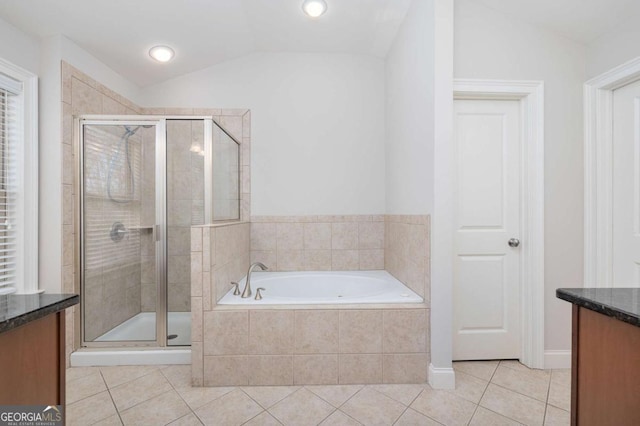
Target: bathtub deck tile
x,y
315,369
316,331
272,370
271,332
404,368
226,332
360,368
226,371
361,331
404,331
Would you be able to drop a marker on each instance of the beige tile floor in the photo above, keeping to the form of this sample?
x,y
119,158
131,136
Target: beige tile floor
x,y
487,393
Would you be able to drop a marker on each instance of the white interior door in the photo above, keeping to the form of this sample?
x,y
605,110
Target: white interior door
x,y
626,186
487,215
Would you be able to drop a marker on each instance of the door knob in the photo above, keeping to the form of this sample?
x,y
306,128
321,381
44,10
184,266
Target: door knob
x,y
514,242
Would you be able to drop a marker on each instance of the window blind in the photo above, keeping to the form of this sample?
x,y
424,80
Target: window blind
x,y
10,136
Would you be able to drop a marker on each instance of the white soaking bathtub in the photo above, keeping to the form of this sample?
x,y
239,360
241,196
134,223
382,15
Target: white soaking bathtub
x,y
331,287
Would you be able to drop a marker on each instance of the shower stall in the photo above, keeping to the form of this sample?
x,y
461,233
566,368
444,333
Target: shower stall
x,y
143,182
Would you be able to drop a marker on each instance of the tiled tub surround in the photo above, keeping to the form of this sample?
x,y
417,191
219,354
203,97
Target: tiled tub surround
x,y
278,346
312,344
407,254
318,243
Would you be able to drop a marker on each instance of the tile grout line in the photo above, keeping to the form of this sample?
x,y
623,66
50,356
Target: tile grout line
x,y
320,396
483,392
111,397
546,402
329,415
260,413
408,406
519,393
279,401
88,396
180,396
346,414
240,388
148,399
495,384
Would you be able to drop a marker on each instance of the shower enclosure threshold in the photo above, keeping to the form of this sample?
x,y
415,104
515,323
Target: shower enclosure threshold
x,y
142,327
90,357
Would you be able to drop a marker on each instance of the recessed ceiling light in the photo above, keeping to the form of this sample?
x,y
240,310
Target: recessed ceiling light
x,y
161,53
314,8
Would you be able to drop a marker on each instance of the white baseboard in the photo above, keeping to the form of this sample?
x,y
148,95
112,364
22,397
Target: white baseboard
x,y
557,359
442,378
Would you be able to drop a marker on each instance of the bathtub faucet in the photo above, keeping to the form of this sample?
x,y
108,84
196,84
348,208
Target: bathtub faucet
x,y
247,288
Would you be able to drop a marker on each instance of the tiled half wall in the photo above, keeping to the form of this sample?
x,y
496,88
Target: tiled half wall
x,y
219,255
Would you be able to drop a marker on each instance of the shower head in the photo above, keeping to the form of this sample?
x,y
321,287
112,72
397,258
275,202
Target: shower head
x,y
132,131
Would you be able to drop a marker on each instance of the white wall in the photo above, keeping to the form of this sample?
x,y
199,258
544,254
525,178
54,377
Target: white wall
x,y
317,127
614,48
19,48
50,168
419,72
491,45
99,71
441,373
53,50
409,113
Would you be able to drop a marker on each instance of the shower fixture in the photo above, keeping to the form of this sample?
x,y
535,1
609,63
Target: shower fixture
x,y
123,144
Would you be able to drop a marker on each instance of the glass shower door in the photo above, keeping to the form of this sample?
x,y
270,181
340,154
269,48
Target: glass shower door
x,y
122,267
186,149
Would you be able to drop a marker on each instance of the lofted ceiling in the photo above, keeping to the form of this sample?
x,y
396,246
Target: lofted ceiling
x,y
206,32
580,20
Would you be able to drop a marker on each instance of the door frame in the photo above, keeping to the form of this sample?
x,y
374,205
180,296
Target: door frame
x,y
598,171
531,97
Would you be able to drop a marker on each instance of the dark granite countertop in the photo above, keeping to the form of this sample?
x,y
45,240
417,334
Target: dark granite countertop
x,y
620,303
20,309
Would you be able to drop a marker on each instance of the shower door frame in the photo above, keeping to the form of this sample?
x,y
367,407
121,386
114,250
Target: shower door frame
x,y
160,228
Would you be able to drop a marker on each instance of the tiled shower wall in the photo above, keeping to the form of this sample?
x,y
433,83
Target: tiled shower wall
x,y
112,194
80,95
318,243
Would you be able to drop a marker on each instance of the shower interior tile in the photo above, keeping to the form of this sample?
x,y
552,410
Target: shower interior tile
x,y
179,240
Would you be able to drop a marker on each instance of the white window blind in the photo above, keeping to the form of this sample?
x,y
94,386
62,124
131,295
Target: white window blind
x,y
11,113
